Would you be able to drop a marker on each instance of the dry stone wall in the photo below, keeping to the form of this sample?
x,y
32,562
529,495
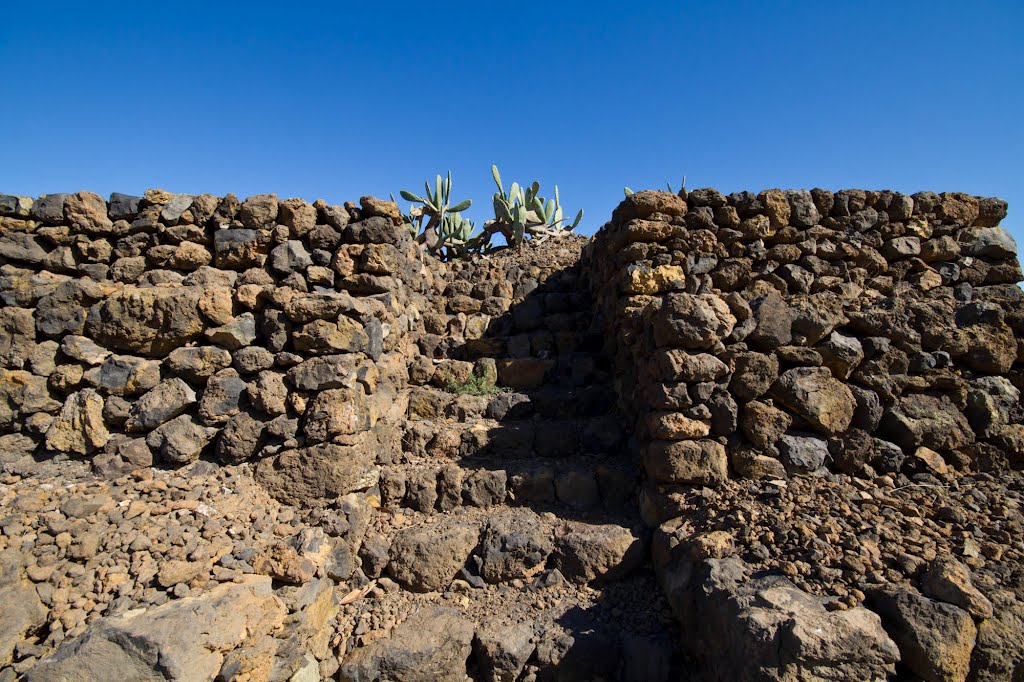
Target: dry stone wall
x,y
155,329
796,332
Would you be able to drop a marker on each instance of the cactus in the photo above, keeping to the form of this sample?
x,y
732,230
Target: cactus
x,y
446,233
519,214
522,211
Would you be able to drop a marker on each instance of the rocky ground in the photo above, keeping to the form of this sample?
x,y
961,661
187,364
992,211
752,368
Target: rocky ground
x,y
77,548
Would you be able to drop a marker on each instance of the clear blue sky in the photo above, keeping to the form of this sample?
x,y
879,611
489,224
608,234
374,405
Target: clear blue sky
x,y
335,100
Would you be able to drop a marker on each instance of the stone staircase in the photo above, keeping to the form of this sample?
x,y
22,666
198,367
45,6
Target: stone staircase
x,y
532,481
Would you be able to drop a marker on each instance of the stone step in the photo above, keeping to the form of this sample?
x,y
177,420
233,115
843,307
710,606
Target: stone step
x,y
550,401
598,437
567,487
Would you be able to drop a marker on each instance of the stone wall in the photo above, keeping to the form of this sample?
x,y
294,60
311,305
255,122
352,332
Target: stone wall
x,y
155,329
793,332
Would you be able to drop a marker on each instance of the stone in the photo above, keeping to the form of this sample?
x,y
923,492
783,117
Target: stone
x,y
333,371
283,563
502,651
676,426
15,206
87,212
484,488
692,321
427,558
374,230
372,206
699,462
152,321
958,207
753,375
901,247
840,353
768,628
252,359
163,402
321,336
774,322
237,333
814,394
180,441
84,350
298,216
24,616
197,364
269,393
776,207
990,402
925,420
222,398
949,581
803,212
935,639
588,552
49,208
802,454
123,206
339,412
259,210
290,257
301,476
22,394
238,249
644,203
763,424
17,337
522,373
751,464
642,280
679,365
125,375
514,544
78,427
21,246
240,439
431,645
185,639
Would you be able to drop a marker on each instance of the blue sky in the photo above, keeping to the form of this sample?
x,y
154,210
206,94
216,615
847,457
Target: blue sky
x,y
335,100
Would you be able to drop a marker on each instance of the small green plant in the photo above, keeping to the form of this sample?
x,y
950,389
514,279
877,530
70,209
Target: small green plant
x,y
474,385
668,185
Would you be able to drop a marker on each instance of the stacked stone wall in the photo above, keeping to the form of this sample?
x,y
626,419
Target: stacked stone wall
x,y
803,331
155,329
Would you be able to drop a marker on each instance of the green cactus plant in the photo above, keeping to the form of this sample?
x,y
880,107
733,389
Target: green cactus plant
x,y
438,224
522,212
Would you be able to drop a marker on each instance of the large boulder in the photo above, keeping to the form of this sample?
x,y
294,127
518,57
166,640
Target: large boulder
x,y
23,616
768,628
935,639
427,558
432,645
586,552
926,420
514,544
301,476
186,639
